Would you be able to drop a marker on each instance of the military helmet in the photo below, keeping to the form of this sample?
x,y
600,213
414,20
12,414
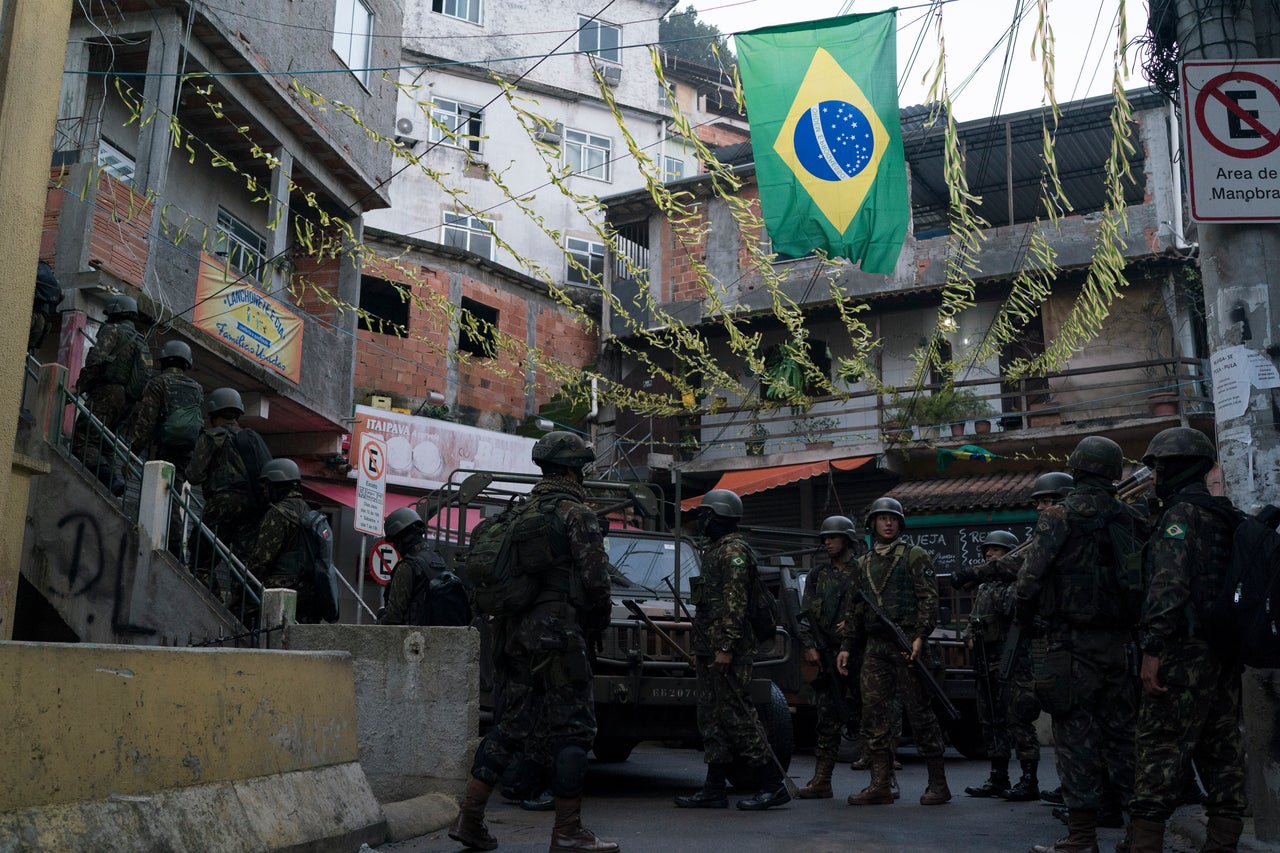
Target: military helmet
x,y
280,471
883,506
1096,454
401,520
120,304
1055,484
221,399
1179,441
838,525
1001,539
564,448
177,351
723,503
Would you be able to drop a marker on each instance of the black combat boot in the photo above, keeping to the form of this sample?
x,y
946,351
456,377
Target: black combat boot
x,y
1028,787
996,784
1054,797
773,791
713,794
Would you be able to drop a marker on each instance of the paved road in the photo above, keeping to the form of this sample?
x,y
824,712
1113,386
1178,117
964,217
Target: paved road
x,y
631,803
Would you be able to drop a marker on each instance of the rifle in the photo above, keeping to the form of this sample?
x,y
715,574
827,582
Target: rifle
x,y
982,669
904,645
1012,641
837,692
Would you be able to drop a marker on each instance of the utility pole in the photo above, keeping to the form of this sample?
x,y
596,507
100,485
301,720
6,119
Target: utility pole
x,y
1240,265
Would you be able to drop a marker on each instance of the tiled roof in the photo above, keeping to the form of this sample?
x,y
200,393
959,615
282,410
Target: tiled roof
x,y
966,494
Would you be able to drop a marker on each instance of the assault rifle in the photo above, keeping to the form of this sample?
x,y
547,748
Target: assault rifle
x,y
982,669
904,645
837,691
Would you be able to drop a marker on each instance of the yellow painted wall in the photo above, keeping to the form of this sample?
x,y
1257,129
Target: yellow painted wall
x,y
83,722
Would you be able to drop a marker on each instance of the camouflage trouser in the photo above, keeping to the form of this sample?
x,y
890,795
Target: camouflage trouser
x,y
727,720
108,404
1198,718
1008,729
1093,715
830,727
886,679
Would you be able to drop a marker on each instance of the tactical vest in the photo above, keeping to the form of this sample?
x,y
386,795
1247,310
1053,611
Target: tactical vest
x,y
1208,575
292,559
1076,594
889,580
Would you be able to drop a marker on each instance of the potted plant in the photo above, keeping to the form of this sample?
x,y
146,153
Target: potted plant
x,y
947,407
815,431
758,434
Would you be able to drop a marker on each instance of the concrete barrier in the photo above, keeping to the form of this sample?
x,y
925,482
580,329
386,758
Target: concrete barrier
x,y
417,702
132,748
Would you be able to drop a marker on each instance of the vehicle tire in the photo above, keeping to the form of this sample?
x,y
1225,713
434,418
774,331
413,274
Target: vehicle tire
x,y
965,733
775,717
612,750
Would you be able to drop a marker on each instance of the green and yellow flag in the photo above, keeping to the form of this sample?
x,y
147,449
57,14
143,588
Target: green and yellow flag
x,y
822,100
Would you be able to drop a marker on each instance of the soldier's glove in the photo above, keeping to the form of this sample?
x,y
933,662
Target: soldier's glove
x,y
965,577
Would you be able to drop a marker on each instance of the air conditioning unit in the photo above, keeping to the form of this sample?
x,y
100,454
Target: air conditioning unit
x,y
551,135
407,131
612,75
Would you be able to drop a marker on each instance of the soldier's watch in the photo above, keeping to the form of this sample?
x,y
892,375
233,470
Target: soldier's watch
x,y
725,650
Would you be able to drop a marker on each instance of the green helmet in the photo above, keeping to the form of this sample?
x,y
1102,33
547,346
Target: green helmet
x,y
176,351
401,520
563,448
838,525
1055,484
884,506
222,399
1001,539
120,304
1179,441
280,471
723,503
1096,454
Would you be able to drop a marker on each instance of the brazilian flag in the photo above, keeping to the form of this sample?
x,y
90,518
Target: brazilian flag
x,y
822,100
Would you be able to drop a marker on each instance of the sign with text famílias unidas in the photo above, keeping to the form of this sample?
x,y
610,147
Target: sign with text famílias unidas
x,y
1231,122
247,320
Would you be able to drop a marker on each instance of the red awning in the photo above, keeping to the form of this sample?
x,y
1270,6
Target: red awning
x,y
751,480
345,495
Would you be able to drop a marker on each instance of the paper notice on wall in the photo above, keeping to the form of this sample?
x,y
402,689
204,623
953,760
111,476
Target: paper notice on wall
x,y
1237,371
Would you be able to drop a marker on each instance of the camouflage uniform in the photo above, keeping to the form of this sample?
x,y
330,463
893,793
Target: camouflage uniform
x,y
826,593
410,580
107,401
1199,718
230,510
1085,680
276,558
726,718
1008,713
540,657
161,392
900,578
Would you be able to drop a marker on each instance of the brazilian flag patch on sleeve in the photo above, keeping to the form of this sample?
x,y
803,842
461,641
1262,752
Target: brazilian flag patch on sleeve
x,y
737,561
1173,530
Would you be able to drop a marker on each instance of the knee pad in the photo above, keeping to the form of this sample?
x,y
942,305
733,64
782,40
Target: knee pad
x,y
569,774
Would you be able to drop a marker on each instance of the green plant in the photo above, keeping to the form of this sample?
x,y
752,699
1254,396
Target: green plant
x,y
814,429
941,407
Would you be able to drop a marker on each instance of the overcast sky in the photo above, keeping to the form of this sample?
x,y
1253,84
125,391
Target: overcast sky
x,y
1084,31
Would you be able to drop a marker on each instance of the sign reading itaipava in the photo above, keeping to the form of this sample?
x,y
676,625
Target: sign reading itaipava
x,y
247,320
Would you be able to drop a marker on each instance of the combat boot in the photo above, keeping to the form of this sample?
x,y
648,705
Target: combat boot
x,y
1222,835
1143,836
469,829
893,785
713,794
936,792
1054,797
819,787
543,802
997,783
1082,834
1028,787
773,791
879,792
569,834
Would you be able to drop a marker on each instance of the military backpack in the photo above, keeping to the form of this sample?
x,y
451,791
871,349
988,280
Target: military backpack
x,y
130,364
183,417
317,562
510,552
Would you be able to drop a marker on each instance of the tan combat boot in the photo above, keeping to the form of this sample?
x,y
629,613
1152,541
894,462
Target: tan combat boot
x,y
569,834
469,829
819,787
878,793
1222,834
1082,834
936,792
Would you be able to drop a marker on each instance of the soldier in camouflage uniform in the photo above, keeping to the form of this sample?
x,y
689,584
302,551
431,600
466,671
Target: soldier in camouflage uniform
x,y
725,648
106,399
230,508
166,390
542,661
278,550
1191,702
1085,680
899,577
418,575
826,591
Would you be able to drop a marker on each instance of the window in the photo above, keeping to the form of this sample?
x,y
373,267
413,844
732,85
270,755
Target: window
x,y
587,155
599,39
672,168
115,162
241,246
467,10
383,309
470,233
480,339
454,123
589,255
665,96
353,35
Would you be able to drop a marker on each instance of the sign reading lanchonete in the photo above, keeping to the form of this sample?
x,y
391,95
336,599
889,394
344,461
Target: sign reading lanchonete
x,y
1231,119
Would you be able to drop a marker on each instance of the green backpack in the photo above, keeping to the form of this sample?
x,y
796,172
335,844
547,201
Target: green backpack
x,y
509,552
130,364
183,417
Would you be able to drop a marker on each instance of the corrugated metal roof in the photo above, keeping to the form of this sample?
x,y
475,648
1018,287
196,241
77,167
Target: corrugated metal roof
x,y
966,494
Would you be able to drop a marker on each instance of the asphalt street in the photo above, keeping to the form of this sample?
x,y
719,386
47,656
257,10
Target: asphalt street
x,y
631,803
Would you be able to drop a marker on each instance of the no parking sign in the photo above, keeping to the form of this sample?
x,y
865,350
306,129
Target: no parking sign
x,y
382,560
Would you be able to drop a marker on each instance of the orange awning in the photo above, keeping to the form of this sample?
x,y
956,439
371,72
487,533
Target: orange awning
x,y
751,480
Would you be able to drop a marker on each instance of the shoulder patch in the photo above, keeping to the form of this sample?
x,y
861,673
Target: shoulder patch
x,y
737,561
1174,530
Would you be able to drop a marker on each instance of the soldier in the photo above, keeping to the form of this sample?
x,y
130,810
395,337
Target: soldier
x,y
725,647
277,555
230,506
825,592
115,371
422,590
542,655
44,305
1191,702
1084,680
899,576
167,420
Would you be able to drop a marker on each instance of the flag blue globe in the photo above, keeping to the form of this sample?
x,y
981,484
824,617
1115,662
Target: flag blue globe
x,y
833,141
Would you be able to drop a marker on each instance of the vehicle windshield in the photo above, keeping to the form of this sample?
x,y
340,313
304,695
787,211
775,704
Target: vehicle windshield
x,y
646,561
